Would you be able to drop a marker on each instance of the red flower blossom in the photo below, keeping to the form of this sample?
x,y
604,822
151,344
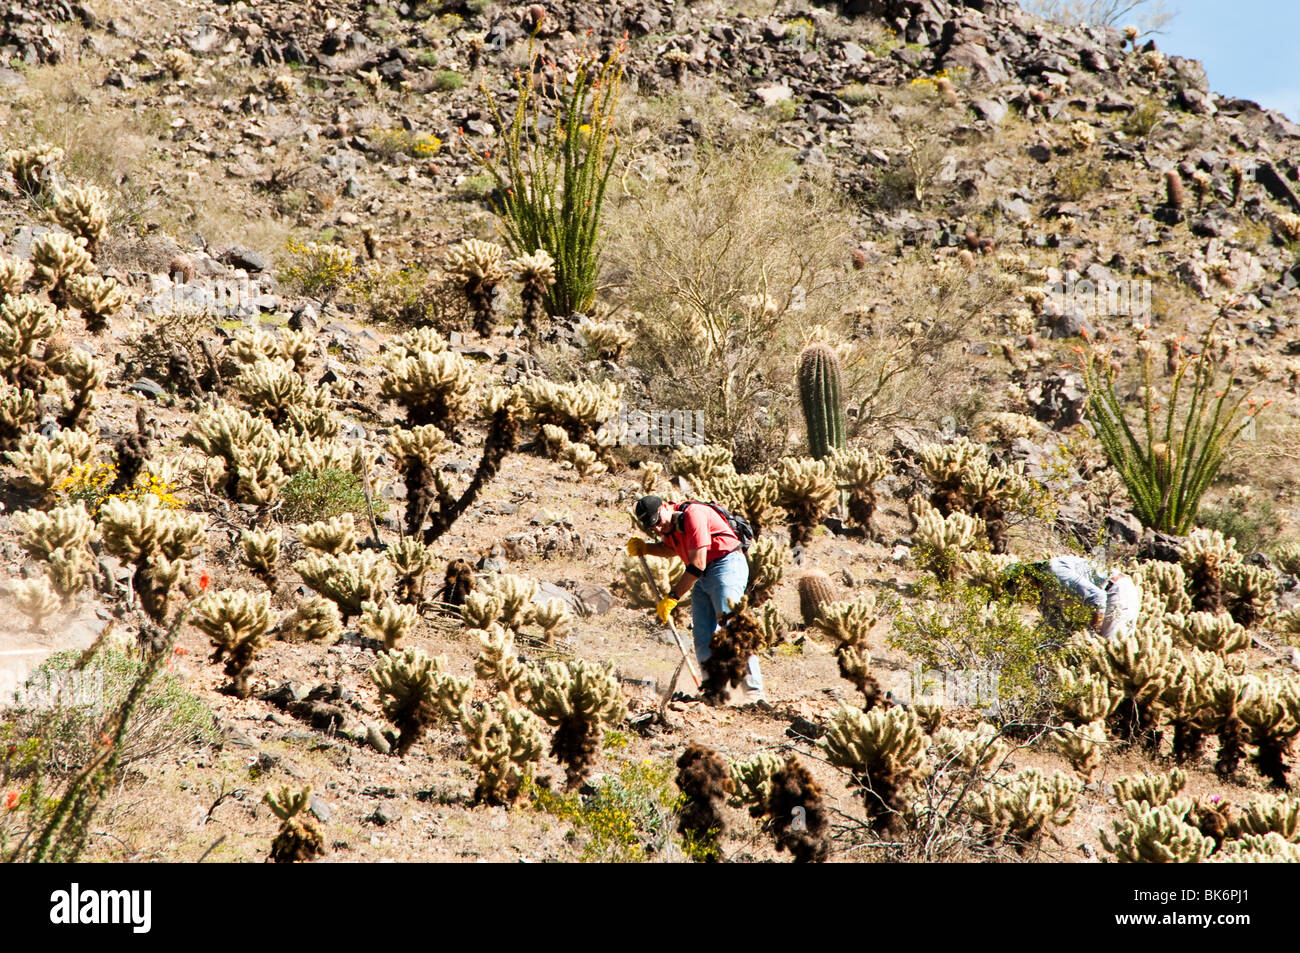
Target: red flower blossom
x,y
105,740
11,800
204,581
178,650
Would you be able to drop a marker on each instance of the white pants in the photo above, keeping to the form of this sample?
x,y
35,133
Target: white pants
x,y
1123,600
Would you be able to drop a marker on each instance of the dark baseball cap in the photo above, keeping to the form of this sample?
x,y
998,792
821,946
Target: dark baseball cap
x,y
647,512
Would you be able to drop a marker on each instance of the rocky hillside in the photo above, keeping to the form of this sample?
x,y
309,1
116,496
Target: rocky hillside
x,y
274,402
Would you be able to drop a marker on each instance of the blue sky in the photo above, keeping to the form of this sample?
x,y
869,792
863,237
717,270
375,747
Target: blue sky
x,y
1250,48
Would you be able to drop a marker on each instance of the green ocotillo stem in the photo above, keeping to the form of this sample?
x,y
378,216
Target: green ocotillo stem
x,y
819,393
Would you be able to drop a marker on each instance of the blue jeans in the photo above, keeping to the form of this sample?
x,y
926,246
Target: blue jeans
x,y
722,585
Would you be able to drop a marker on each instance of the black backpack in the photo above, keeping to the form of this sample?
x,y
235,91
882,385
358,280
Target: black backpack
x,y
739,525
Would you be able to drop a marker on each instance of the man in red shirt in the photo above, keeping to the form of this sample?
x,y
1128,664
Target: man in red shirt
x,y
717,572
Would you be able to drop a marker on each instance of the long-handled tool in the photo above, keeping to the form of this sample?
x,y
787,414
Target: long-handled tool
x,y
686,657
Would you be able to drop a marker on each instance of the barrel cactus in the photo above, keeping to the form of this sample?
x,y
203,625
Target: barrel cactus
x,y
822,400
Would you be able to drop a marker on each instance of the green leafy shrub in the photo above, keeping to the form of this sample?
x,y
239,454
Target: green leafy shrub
x,y
326,494
446,81
316,268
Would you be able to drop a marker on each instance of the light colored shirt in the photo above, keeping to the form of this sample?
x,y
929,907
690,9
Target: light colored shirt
x,y
1082,578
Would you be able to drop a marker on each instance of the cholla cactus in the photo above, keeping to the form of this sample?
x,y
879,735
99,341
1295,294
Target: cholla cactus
x,y
1026,805
298,839
1138,665
235,620
940,541
273,389
250,345
700,460
752,782
178,62
388,621
768,558
1273,815
35,598
849,624
43,465
56,258
498,665
1251,592
350,579
804,489
536,274
578,700
580,410
1254,849
884,750
856,471
554,619
25,322
1205,555
434,387
316,619
415,693
260,551
247,452
333,536
295,347
413,562
18,412
478,263
981,751
1211,633
1270,712
61,539
603,339
29,166
507,600
1085,697
1082,746
665,571
85,376
1156,835
504,743
988,570
1166,584
1082,135
84,212
1155,789
416,341
417,452
14,273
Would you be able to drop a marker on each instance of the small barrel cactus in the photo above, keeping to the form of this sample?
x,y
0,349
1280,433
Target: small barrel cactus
x,y
822,400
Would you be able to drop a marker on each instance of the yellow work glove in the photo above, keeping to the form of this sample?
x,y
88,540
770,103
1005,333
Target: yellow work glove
x,y
666,605
636,546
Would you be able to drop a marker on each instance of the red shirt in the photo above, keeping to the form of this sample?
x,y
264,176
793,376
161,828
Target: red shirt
x,y
704,528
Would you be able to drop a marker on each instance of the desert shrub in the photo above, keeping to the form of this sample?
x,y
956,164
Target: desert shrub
x,y
167,720
625,820
326,494
733,257
409,293
316,268
1145,117
1252,521
395,143
446,81
955,626
1078,178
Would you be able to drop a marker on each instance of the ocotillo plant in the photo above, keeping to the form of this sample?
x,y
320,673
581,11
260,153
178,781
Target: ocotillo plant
x,y
821,398
1167,464
551,182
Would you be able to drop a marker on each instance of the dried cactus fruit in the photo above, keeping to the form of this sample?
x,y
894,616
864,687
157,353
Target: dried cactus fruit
x,y
260,552
316,619
84,212
413,562
578,699
883,750
804,489
816,592
768,558
415,693
29,166
433,387
235,620
35,598
504,743
333,537
1025,805
56,258
849,624
603,338
1156,835
479,266
705,783
1082,746
536,274
350,579
388,621
298,840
